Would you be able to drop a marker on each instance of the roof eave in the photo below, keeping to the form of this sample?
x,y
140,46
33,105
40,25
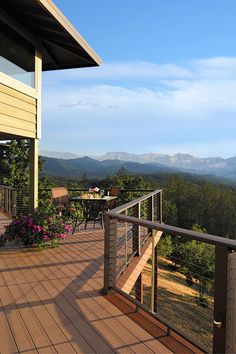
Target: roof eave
x,y
65,23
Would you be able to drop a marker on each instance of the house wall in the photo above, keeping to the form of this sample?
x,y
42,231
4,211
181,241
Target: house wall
x,y
18,113
20,107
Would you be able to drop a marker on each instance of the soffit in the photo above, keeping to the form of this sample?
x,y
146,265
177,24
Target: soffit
x,y
62,46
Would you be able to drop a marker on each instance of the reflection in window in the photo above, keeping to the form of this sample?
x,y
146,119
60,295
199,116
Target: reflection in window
x,y
17,57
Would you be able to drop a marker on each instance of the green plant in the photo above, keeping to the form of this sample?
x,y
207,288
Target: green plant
x,y
40,229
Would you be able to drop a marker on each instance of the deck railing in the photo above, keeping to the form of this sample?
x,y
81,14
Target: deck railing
x,y
132,236
13,201
8,200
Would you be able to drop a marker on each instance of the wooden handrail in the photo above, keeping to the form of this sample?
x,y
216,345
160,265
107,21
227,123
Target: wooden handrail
x,y
225,274
188,234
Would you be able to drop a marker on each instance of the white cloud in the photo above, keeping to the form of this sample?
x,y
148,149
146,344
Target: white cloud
x,y
211,68
223,68
192,106
124,70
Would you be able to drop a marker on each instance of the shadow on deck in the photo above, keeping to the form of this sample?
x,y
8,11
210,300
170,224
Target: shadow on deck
x,y
51,302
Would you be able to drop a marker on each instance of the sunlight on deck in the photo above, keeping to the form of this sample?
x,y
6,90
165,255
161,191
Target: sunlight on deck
x,y
51,302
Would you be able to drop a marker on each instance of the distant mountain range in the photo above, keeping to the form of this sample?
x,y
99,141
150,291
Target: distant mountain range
x,y
100,166
58,155
75,168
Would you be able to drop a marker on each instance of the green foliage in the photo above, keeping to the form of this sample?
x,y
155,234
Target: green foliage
x,y
165,246
125,180
196,261
15,164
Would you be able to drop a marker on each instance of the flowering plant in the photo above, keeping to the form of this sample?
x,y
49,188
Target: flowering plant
x,y
40,229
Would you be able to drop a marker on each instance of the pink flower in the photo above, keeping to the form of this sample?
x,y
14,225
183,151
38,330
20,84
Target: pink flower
x,y
30,221
68,228
62,236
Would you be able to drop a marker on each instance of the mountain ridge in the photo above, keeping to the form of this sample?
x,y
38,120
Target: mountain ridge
x,y
179,160
179,163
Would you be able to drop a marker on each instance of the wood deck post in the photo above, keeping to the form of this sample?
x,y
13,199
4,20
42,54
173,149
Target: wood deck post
x,y
231,305
220,299
110,246
155,259
139,288
160,206
33,175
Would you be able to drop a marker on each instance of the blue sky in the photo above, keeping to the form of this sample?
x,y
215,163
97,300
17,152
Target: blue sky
x,y
167,83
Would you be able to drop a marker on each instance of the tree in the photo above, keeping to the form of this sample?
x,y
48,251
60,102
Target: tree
x,y
196,260
165,246
15,173
15,165
84,181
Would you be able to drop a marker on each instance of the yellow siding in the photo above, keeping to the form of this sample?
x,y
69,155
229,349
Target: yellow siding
x,y
17,113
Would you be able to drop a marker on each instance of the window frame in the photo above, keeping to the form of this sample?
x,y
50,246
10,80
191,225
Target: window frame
x,y
10,81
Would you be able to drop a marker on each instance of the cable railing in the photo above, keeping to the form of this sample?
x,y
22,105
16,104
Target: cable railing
x,y
130,237
14,201
125,195
8,200
190,289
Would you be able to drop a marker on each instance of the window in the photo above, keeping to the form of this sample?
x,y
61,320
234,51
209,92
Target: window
x,y
17,56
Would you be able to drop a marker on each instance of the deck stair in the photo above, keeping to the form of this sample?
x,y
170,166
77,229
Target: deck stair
x,y
137,264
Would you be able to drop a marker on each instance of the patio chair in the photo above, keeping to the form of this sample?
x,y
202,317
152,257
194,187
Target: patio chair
x,y
93,212
114,192
62,202
60,198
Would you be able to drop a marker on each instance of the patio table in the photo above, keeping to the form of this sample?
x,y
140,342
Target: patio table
x,y
88,205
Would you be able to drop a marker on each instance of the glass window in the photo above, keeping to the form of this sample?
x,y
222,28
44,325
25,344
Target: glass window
x,y
17,56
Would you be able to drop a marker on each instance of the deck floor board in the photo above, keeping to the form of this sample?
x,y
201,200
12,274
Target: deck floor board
x,y
51,302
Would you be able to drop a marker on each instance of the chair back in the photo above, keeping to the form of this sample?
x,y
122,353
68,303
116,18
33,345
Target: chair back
x,y
60,196
114,192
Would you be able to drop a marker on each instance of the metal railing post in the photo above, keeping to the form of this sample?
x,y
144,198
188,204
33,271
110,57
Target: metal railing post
x,y
126,240
6,201
152,209
138,230
231,305
220,299
110,247
13,203
150,212
160,204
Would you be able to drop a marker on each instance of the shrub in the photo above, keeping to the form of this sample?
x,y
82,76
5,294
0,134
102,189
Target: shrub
x,y
38,229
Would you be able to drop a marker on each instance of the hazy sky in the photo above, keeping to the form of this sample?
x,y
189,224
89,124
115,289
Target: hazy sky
x,y
167,83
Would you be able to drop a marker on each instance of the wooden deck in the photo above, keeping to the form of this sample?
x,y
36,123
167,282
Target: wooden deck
x,y
51,302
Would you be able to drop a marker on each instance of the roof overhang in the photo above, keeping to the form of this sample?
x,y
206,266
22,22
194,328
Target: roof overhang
x,y
62,46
